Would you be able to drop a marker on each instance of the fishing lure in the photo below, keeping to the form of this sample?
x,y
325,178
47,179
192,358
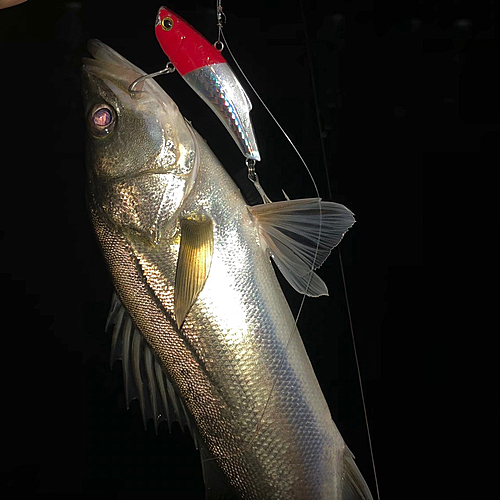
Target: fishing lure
x,y
206,71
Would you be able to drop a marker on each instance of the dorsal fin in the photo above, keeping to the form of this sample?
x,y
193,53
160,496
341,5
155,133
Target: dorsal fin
x,y
289,230
143,373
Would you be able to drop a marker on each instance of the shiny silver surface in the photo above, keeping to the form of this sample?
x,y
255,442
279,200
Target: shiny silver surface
x,y
236,346
218,86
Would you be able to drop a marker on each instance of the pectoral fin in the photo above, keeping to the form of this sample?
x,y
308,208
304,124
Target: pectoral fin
x,y
193,265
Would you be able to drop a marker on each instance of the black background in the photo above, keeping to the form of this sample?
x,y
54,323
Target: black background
x,y
399,92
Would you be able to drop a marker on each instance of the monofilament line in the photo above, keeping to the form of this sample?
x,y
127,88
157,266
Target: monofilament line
x,y
271,115
325,163
359,375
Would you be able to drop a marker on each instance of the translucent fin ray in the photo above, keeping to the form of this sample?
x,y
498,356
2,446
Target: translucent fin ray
x,y
193,265
354,485
144,377
290,230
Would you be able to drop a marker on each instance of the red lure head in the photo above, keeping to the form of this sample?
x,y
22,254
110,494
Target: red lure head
x,y
184,46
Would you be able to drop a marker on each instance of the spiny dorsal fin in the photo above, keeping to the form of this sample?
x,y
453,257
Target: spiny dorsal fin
x,y
193,264
290,229
145,378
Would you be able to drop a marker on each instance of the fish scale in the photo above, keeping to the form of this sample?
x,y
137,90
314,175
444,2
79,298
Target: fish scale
x,y
235,360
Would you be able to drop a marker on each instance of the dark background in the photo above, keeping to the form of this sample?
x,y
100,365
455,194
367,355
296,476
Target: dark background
x,y
399,92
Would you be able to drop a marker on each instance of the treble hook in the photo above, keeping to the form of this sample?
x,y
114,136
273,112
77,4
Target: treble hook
x,y
169,68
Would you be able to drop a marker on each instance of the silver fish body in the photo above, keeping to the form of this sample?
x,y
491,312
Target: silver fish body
x,y
235,361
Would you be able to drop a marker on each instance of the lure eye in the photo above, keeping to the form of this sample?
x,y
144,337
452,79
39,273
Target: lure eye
x,y
167,23
101,120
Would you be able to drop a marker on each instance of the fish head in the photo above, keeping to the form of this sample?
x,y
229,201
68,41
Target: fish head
x,y
142,155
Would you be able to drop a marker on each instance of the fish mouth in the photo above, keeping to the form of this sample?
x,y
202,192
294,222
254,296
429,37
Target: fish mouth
x,y
109,65
116,71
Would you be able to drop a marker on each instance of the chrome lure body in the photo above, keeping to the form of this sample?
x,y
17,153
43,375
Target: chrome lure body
x,y
219,88
206,71
203,329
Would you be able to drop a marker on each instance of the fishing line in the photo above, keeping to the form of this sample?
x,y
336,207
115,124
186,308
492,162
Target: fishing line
x,y
252,175
220,14
271,115
325,163
359,377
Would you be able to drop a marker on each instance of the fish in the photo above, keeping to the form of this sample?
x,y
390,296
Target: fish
x,y
199,319
207,72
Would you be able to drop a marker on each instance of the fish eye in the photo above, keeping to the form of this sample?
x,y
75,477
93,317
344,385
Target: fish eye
x,y
102,120
167,23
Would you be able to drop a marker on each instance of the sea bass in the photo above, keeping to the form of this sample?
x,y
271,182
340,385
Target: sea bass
x,y
201,324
